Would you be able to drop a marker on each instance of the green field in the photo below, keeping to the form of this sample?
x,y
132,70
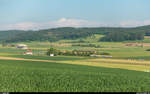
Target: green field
x,y
18,76
127,70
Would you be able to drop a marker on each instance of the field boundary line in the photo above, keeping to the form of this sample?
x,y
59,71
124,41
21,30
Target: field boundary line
x,y
95,63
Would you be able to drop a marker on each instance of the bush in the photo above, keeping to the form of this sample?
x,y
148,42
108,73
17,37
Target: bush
x,y
104,53
87,45
148,50
52,51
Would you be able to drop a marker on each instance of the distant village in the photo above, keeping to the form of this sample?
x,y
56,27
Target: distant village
x,y
54,52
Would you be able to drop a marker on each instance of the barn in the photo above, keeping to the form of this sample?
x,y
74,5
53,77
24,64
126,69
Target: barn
x,y
22,46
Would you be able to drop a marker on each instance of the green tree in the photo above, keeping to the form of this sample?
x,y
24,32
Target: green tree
x,y
52,51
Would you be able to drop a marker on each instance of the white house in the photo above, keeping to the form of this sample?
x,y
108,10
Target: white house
x,y
51,54
29,52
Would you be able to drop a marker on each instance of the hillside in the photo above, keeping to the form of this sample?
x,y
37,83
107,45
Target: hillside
x,y
56,34
4,35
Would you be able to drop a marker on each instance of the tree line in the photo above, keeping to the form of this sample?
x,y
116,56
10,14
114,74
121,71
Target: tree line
x,y
56,34
123,36
56,52
87,45
70,53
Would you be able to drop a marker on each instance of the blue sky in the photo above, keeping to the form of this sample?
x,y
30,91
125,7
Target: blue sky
x,y
39,14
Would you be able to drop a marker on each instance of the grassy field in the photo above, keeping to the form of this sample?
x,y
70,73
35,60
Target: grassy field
x,y
18,76
127,70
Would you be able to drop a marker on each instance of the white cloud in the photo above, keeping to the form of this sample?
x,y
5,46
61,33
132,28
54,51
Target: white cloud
x,y
64,22
19,26
134,23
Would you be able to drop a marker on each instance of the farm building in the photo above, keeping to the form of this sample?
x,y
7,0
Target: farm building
x,y
133,44
22,46
29,52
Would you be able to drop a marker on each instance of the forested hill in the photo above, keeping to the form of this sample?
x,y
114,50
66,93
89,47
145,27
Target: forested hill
x,y
56,34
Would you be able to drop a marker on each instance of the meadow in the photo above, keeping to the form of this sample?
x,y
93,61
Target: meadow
x,y
117,49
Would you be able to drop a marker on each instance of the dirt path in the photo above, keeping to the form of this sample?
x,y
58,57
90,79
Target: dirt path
x,y
11,58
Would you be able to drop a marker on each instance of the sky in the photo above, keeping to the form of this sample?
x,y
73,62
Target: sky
x,y
43,14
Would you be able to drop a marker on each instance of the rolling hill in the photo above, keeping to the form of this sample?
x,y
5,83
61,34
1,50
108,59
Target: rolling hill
x,y
56,34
